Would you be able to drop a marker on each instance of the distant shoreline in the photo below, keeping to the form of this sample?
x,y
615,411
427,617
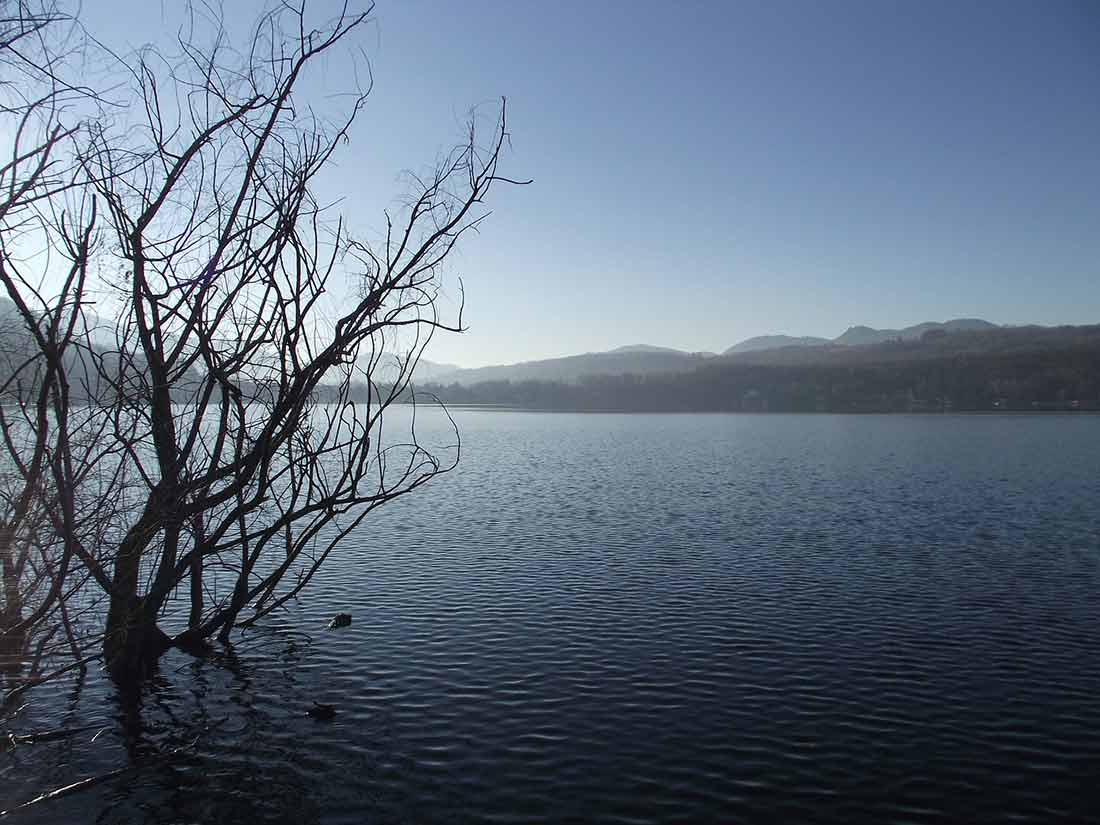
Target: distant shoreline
x,y
854,413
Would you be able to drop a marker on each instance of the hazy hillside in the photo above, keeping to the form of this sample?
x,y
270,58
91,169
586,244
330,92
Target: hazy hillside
x,y
636,360
430,370
966,342
860,336
646,359
642,348
1006,368
388,368
762,342
651,348
93,364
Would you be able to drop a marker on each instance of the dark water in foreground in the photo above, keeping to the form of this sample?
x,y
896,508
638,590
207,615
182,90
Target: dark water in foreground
x,y
657,619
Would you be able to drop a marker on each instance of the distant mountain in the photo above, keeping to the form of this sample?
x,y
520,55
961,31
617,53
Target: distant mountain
x,y
643,348
864,336
651,348
430,370
859,336
1005,368
762,342
95,368
647,359
857,345
389,368
638,359
980,342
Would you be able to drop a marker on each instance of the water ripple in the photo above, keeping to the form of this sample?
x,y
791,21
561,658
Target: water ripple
x,y
642,619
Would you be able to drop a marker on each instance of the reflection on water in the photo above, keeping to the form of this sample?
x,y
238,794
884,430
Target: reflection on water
x,y
652,618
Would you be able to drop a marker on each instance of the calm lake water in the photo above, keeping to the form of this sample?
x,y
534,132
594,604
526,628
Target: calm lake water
x,y
633,618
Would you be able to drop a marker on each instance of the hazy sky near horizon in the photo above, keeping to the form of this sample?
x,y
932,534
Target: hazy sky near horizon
x,y
706,172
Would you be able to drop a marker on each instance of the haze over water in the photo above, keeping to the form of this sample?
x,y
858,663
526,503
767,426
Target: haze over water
x,y
653,619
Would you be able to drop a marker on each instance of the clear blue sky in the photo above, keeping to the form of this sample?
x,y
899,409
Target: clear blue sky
x,y
705,172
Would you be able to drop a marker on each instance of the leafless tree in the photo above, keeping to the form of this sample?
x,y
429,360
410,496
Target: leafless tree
x,y
46,221
188,447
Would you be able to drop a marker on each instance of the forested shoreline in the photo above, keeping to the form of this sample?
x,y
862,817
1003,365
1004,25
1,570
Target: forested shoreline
x,y
1051,380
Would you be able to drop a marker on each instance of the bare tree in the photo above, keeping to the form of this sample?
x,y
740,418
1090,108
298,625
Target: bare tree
x,y
46,221
189,446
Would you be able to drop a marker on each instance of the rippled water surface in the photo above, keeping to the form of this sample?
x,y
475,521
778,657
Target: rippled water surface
x,y
654,619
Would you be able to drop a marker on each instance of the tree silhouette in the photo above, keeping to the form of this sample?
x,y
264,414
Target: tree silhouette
x,y
184,438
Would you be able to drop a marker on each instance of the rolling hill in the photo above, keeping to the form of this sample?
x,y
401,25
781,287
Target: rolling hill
x,y
638,359
646,359
766,342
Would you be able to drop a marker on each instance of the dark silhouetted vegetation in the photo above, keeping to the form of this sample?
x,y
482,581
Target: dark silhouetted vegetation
x,y
1025,368
174,442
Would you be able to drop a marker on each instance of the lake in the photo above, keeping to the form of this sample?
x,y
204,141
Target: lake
x,y
653,618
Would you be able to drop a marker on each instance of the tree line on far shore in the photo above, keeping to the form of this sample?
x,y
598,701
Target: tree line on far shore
x,y
1066,378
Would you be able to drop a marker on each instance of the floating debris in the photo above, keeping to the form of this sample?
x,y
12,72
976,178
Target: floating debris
x,y
340,620
320,711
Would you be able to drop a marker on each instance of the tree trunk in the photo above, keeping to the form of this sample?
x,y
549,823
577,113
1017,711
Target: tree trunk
x,y
13,649
236,605
195,617
12,610
132,642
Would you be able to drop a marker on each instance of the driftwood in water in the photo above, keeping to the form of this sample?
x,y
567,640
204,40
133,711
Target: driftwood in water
x,y
14,739
92,781
67,789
